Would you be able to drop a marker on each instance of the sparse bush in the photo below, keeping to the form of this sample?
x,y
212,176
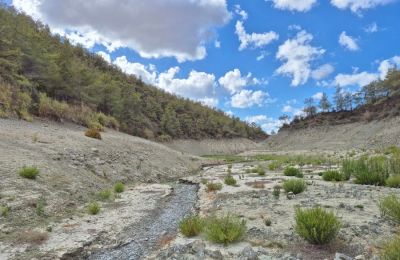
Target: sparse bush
x,y
213,186
295,186
94,208
29,172
368,171
260,171
391,249
230,180
93,133
393,181
316,225
105,194
390,207
332,175
291,171
274,165
191,226
224,230
4,211
119,187
276,192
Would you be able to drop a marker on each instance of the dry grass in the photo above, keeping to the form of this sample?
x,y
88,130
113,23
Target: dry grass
x,y
258,185
93,133
32,237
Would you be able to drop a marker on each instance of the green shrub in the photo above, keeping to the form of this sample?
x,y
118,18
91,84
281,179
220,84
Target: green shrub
x,y
94,208
93,133
191,226
393,181
316,225
390,207
394,164
391,249
295,186
40,205
274,165
277,191
369,171
213,186
224,230
229,180
332,175
4,211
29,172
291,171
105,194
260,171
119,187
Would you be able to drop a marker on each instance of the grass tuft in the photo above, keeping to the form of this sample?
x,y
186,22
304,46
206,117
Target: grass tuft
x,y
316,225
292,171
393,181
94,208
191,226
93,133
332,175
105,195
295,186
230,180
119,187
29,172
390,207
391,249
224,230
213,186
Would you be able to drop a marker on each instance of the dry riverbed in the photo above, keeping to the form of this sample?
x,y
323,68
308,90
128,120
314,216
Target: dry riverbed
x,y
362,232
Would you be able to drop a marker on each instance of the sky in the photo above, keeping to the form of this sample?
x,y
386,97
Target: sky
x,y
255,59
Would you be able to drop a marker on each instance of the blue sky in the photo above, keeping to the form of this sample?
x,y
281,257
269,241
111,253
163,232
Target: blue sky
x,y
257,59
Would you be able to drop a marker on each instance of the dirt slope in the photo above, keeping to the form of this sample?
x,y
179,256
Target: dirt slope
x,y
368,135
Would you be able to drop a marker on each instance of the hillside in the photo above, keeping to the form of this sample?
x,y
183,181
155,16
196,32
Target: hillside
x,y
43,74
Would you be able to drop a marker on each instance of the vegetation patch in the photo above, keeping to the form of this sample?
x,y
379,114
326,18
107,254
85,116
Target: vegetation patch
x,y
211,186
105,195
119,187
391,249
316,225
191,226
230,180
295,186
94,208
225,230
93,133
393,181
33,237
332,175
292,171
390,207
29,172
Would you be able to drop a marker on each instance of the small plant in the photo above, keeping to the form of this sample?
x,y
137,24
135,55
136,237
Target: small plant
x,y
372,171
93,133
213,186
268,222
191,226
4,211
316,225
291,171
224,230
393,181
390,207
359,206
94,208
260,171
295,186
105,194
277,191
274,165
332,175
391,249
230,180
40,207
204,181
119,187
29,172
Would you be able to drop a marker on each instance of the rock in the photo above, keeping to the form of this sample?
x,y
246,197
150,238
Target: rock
x,y
290,195
359,257
340,256
248,253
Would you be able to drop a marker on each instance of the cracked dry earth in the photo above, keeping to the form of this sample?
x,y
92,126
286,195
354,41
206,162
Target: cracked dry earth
x,y
362,232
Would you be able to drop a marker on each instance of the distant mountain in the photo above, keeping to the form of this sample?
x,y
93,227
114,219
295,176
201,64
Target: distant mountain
x,y
43,74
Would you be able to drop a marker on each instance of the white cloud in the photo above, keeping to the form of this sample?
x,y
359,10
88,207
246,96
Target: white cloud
x,y
217,44
322,72
135,24
210,102
249,98
268,124
357,5
233,81
242,13
146,73
256,119
297,54
105,56
348,42
254,40
262,55
294,5
292,110
372,28
364,78
317,96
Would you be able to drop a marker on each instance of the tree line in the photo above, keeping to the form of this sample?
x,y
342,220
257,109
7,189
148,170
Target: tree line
x,y
35,61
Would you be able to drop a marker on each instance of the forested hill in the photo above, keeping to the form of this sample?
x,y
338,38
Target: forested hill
x,y
43,74
376,101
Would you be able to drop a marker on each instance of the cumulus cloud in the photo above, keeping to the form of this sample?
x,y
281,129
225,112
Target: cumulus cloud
x,y
105,56
183,26
294,5
348,42
364,78
208,101
242,13
356,6
268,124
322,72
146,73
292,110
249,98
372,28
317,96
253,40
256,119
233,81
297,55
